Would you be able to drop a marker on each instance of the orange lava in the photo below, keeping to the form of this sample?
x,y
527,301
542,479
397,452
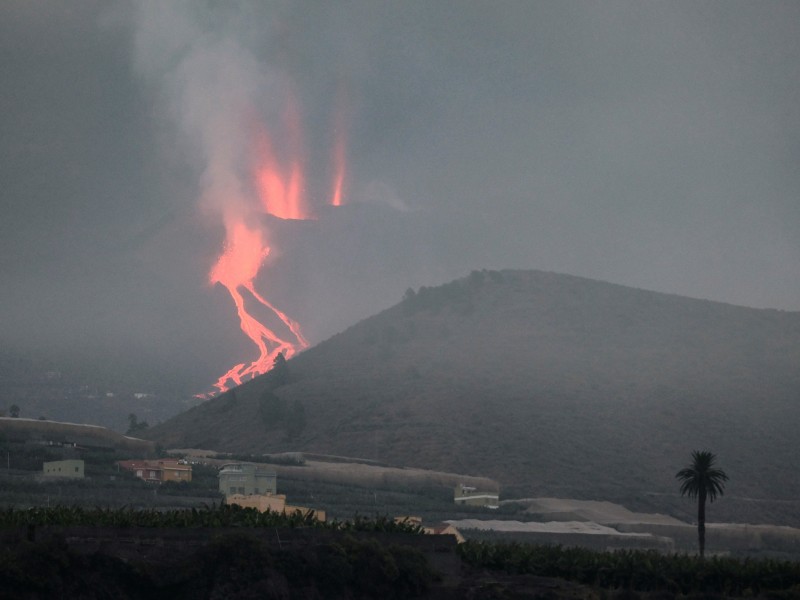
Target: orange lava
x,y
236,269
339,157
279,184
338,178
281,194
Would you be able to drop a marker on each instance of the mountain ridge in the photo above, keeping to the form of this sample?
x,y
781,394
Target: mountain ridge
x,y
552,384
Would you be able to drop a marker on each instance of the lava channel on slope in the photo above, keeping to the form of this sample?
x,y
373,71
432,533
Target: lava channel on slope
x,y
279,189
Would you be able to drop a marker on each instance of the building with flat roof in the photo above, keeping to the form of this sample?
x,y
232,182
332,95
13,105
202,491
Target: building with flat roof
x,y
247,479
71,469
469,496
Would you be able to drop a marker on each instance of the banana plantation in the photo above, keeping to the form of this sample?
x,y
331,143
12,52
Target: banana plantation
x,y
644,571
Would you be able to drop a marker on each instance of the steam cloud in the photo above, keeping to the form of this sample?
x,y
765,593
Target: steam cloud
x,y
651,145
213,83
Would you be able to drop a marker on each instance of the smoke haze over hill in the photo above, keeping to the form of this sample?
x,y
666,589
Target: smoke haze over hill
x,y
652,145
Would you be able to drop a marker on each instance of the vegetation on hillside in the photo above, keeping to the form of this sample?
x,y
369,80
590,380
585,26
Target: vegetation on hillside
x,y
222,515
553,385
135,427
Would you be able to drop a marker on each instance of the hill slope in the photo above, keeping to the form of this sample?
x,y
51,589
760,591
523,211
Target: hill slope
x,y
552,384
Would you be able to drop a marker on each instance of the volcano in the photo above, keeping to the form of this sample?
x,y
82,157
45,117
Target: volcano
x,y
551,384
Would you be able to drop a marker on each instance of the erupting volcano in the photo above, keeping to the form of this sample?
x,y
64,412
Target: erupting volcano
x,y
279,187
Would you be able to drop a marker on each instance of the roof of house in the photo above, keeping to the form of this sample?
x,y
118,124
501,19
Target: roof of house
x,y
248,467
160,464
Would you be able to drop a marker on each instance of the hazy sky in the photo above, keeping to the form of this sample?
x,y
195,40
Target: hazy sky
x,y
652,144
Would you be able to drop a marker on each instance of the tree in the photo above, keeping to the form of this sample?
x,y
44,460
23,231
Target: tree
x,y
134,425
13,410
280,370
702,480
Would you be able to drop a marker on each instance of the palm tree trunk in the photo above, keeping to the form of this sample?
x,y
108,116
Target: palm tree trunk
x,y
701,521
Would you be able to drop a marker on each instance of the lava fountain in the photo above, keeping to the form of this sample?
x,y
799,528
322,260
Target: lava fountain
x,y
338,157
222,92
279,188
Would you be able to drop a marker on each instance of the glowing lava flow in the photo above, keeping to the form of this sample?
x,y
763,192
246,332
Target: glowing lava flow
x,y
236,269
281,194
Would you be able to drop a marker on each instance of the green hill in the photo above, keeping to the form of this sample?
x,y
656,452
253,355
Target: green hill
x,y
551,384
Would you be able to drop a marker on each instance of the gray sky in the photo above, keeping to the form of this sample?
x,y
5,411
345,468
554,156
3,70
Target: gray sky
x,y
652,144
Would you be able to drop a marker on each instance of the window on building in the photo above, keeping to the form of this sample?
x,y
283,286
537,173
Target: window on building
x,y
233,490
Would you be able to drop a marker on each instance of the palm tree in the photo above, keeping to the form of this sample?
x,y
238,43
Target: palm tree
x,y
703,480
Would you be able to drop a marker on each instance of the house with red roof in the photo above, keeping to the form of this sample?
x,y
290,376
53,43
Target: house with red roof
x,y
158,471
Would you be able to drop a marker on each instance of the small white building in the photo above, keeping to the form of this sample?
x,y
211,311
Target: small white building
x,y
71,469
469,496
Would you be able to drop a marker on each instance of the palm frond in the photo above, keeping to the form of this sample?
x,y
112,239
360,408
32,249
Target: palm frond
x,y
702,477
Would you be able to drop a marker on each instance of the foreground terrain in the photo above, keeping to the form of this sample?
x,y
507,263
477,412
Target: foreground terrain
x,y
343,487
227,552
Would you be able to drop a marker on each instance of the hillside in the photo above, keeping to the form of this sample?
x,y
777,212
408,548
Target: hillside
x,y
552,384
98,387
53,433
